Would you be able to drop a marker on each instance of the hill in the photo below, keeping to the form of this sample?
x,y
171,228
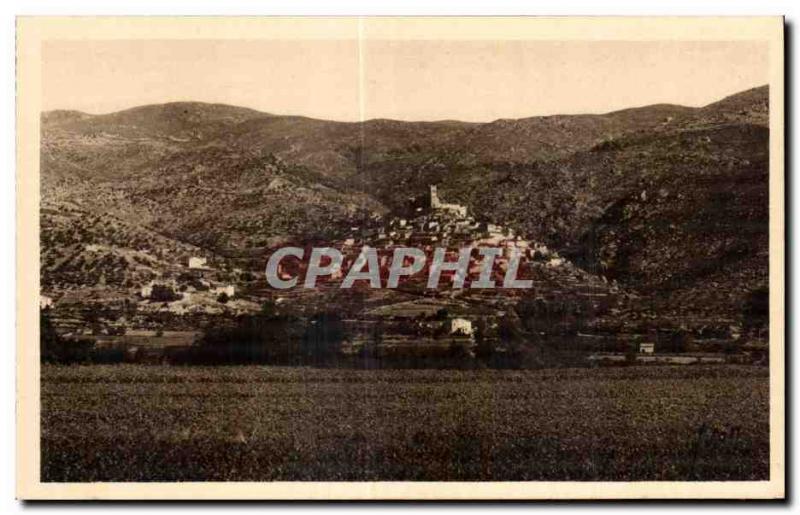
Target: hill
x,y
669,201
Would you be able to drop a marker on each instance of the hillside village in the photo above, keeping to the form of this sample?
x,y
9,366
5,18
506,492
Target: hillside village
x,y
149,227
165,305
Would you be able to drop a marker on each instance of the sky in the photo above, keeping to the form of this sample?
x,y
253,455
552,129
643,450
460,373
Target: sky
x,y
349,80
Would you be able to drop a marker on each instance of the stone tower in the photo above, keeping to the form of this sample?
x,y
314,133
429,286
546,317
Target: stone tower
x,y
435,202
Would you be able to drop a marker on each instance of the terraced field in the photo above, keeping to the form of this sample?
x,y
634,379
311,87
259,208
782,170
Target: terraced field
x,y
160,423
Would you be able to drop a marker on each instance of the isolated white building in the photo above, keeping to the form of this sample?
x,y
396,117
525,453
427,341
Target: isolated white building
x,y
228,290
146,290
197,262
437,204
461,326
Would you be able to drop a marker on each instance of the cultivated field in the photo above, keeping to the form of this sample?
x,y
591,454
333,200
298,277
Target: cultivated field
x,y
159,423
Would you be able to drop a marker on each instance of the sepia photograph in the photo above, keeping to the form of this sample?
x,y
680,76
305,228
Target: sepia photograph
x,y
400,258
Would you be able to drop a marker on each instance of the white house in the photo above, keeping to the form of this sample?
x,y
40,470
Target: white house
x,y
438,205
461,326
228,290
197,262
647,348
146,290
494,231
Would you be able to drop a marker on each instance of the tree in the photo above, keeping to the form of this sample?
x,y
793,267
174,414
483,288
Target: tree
x,y
458,349
755,312
269,308
323,337
484,348
441,314
55,349
48,338
510,330
163,293
631,353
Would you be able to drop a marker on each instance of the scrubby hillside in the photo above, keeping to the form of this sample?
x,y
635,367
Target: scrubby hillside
x,y
667,200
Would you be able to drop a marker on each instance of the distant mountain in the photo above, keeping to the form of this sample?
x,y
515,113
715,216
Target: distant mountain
x,y
751,106
176,119
665,199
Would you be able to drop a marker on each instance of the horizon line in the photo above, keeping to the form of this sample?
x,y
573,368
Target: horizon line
x,y
379,118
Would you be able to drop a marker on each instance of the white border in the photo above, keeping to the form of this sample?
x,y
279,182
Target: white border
x,y
299,7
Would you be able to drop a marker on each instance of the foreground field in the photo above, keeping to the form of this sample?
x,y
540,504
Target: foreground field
x,y
157,423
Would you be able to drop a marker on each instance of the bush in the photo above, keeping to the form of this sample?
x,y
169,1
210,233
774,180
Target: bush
x,y
755,310
323,337
55,349
163,293
607,145
268,339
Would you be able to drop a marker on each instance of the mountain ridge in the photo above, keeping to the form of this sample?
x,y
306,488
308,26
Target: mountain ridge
x,y
742,95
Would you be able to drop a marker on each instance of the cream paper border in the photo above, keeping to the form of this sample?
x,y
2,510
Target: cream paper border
x,y
32,31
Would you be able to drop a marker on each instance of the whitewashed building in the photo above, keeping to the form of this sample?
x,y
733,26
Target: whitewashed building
x,y
461,326
197,262
228,289
146,290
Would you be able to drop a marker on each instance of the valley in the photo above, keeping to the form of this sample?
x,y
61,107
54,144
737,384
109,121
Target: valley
x,y
653,220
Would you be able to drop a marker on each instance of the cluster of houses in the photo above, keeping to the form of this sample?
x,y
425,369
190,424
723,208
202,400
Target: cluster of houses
x,y
438,225
198,288
193,290
449,226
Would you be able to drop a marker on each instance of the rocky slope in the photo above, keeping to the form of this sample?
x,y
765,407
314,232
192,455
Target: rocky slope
x,y
668,200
